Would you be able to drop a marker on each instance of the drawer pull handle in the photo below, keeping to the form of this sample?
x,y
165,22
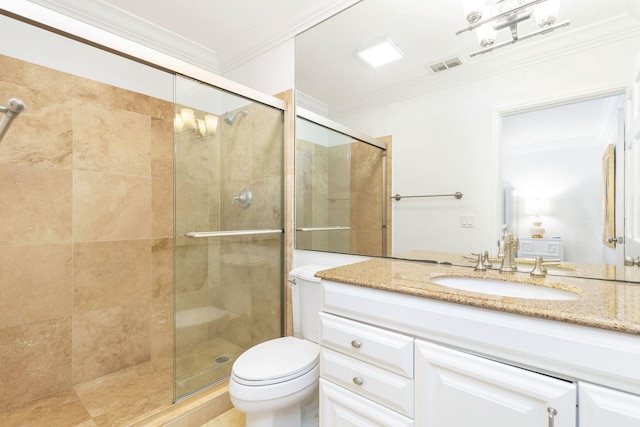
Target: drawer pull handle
x,y
552,415
358,381
356,344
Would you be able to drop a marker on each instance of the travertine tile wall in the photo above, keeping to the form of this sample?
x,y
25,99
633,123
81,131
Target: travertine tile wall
x,y
252,157
366,200
340,201
86,231
312,193
340,186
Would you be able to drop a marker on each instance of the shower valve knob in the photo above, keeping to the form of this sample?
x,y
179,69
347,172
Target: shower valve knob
x,y
245,198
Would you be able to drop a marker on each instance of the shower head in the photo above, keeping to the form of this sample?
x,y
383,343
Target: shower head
x,y
229,119
11,111
14,107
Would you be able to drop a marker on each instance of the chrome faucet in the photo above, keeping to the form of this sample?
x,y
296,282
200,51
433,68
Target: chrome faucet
x,y
507,247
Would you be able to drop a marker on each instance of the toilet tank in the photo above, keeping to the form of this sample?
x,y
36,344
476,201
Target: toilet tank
x,y
305,300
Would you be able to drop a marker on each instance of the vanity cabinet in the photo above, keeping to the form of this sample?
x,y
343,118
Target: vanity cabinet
x,y
456,389
340,407
397,360
366,374
600,406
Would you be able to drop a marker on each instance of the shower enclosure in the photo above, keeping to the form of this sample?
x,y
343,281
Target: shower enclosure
x,y
228,231
101,183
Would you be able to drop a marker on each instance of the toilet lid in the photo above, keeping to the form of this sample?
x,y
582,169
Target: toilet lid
x,y
276,361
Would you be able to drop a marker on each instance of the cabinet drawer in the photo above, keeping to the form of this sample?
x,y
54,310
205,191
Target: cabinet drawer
x,y
388,350
341,407
388,389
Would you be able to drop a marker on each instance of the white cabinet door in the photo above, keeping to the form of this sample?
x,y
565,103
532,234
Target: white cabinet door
x,y
603,407
342,408
456,389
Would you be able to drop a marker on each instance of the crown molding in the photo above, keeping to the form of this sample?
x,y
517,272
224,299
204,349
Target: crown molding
x,y
609,31
312,104
292,21
121,23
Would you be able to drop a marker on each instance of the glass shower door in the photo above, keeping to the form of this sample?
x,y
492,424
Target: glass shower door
x,y
228,258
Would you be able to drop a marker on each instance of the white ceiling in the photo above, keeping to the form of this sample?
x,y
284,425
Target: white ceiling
x,y
328,70
216,35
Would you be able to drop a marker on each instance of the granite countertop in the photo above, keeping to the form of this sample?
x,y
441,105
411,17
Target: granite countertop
x,y
601,304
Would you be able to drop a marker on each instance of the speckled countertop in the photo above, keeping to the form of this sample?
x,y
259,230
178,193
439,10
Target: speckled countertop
x,y
600,303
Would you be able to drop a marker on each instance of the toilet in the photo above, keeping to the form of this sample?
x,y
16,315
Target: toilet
x,y
275,383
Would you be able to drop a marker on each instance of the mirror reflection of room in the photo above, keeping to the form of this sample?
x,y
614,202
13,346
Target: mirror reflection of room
x,y
446,120
340,193
552,178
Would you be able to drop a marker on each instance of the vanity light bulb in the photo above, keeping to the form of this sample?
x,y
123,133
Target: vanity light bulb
x,y
188,118
178,123
212,123
202,127
546,13
473,10
486,34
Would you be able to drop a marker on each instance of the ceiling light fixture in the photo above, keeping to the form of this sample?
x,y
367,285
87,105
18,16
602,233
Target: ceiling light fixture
x,y
380,53
487,20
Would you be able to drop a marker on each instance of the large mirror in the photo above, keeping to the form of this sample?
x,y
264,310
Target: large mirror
x,y
454,113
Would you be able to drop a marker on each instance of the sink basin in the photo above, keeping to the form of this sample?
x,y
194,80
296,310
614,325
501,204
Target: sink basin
x,y
504,288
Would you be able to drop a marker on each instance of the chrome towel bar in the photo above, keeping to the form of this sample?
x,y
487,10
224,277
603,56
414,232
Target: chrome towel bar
x,y
202,234
457,195
337,227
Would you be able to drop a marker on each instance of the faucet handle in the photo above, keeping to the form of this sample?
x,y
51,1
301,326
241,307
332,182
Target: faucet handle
x,y
480,265
539,270
487,260
502,245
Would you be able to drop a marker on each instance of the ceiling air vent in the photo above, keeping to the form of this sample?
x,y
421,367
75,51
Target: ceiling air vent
x,y
445,65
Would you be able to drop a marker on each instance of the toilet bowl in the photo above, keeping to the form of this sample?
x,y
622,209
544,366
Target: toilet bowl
x,y
275,383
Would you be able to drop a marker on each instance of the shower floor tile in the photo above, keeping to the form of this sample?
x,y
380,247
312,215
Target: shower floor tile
x,y
132,394
196,367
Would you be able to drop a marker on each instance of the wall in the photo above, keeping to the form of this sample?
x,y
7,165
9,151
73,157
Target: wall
x,y
365,215
86,249
443,142
271,72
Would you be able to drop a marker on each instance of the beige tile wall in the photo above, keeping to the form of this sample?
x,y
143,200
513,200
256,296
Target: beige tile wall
x,y
366,216
340,186
86,231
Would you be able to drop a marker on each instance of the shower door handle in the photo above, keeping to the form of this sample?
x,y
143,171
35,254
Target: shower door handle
x,y
203,234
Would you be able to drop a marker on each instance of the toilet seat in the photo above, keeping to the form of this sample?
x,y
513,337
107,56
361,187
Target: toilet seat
x,y
276,361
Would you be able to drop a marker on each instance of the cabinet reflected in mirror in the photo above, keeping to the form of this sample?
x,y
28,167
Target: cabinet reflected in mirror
x,y
340,187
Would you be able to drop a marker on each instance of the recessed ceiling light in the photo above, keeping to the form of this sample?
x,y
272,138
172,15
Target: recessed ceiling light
x,y
380,53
